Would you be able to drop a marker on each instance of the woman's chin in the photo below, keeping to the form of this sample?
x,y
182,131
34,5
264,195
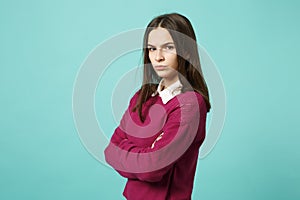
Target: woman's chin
x,y
164,74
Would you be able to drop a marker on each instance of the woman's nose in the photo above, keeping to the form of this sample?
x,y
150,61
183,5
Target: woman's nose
x,y
159,55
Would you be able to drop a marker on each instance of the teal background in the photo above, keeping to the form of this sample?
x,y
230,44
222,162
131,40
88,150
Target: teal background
x,y
255,45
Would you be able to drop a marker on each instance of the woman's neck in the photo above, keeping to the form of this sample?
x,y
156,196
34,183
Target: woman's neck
x,y
167,82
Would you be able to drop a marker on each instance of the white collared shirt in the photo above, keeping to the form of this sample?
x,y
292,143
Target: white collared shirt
x,y
170,92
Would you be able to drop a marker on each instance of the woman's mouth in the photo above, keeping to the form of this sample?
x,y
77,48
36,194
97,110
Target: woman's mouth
x,y
160,67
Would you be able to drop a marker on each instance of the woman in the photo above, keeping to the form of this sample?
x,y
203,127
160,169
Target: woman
x,y
157,143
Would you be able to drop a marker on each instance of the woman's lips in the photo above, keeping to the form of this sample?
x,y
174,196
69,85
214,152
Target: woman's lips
x,y
160,67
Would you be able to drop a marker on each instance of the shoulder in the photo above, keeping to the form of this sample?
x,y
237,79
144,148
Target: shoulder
x,y
187,107
189,101
134,98
191,98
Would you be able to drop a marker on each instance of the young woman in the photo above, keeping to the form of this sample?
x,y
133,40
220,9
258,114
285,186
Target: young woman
x,y
157,142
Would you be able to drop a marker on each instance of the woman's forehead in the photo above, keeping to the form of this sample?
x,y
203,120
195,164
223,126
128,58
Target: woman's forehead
x,y
159,36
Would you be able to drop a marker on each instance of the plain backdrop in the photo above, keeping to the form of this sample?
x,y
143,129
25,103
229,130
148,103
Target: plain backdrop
x,y
255,45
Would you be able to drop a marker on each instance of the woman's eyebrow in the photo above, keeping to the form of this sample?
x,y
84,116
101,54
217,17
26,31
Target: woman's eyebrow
x,y
162,44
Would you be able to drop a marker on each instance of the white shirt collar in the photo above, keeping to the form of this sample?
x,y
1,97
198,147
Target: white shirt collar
x,y
170,92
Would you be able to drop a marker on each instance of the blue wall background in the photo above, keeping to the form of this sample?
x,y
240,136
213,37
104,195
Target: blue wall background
x,y
255,45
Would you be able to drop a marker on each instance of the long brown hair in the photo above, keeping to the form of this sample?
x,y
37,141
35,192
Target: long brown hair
x,y
187,56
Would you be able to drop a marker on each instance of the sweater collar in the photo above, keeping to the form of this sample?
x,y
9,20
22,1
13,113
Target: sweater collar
x,y
168,93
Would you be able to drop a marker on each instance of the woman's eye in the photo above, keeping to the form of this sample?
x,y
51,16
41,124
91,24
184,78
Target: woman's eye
x,y
151,48
170,47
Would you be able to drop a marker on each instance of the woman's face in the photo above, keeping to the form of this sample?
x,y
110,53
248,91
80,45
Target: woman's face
x,y
162,53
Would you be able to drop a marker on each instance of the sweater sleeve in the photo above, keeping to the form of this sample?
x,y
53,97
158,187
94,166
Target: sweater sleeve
x,y
119,135
179,132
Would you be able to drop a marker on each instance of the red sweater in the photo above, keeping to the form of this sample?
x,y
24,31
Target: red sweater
x,y
159,156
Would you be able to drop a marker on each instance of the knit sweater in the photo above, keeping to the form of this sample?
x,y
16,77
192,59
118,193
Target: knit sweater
x,y
159,156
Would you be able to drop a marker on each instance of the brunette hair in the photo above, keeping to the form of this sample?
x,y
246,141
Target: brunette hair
x,y
187,56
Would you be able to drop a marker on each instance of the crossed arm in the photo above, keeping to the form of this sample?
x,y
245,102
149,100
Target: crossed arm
x,y
153,162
